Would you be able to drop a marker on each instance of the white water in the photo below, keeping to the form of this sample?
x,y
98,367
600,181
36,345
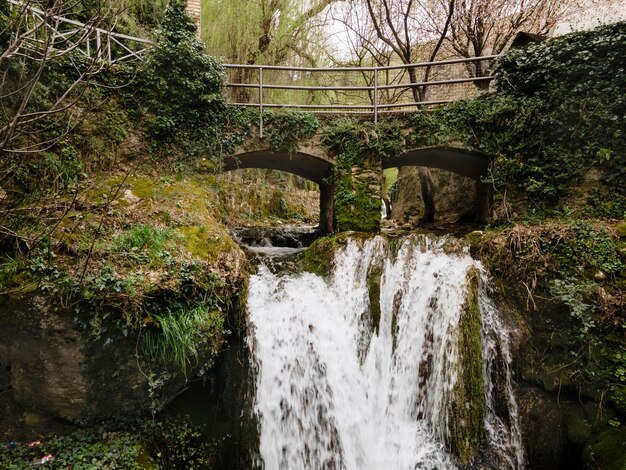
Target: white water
x,y
330,394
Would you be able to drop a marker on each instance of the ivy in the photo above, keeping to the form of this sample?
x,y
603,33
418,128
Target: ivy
x,y
285,131
181,86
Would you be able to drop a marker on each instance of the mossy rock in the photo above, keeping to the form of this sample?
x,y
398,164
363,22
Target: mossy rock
x,y
474,239
357,201
467,403
373,291
578,427
608,452
319,257
621,230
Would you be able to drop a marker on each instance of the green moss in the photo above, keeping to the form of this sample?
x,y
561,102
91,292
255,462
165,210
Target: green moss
x,y
318,258
373,291
467,403
206,243
578,426
621,230
357,205
608,452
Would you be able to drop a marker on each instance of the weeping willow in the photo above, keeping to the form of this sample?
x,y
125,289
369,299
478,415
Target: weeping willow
x,y
269,32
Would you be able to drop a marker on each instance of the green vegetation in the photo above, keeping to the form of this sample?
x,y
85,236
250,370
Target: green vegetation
x,y
576,264
118,221
319,257
180,87
286,130
180,332
359,149
608,452
558,114
467,403
151,444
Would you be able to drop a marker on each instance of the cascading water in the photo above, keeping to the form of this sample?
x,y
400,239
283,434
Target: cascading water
x,y
345,383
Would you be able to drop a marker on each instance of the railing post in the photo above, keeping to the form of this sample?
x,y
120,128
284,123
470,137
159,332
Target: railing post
x,y
98,44
260,102
376,96
109,52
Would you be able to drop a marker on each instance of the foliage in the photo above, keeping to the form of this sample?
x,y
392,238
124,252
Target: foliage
x,y
84,449
131,17
180,333
575,82
269,32
155,444
144,243
558,113
284,131
576,264
360,141
176,444
181,86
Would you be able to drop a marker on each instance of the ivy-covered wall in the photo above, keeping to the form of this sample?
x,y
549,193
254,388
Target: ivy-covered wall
x,y
360,149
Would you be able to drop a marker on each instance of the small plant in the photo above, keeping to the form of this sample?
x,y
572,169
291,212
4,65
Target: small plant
x,y
176,444
145,242
9,267
180,332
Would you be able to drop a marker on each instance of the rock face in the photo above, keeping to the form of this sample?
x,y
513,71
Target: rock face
x,y
57,367
454,196
542,429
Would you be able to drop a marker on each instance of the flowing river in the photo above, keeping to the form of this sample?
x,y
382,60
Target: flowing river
x,y
360,370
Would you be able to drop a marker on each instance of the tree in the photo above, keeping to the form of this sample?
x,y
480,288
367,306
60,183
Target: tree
x,y
43,71
268,32
391,30
181,86
47,67
487,27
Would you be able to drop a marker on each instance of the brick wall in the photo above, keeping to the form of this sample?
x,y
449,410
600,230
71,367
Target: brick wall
x,y
193,8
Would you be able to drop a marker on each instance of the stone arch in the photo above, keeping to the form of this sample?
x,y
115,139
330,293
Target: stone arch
x,y
465,162
305,165
302,164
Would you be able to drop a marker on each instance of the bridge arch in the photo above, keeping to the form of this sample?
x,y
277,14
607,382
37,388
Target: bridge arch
x,y
465,162
305,165
301,164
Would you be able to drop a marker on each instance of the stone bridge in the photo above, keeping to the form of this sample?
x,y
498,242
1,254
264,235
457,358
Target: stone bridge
x,y
312,162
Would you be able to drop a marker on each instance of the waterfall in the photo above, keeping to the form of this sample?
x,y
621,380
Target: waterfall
x,y
362,370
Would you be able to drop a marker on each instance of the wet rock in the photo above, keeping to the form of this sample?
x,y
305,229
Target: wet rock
x,y
607,451
578,427
454,196
542,429
598,416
